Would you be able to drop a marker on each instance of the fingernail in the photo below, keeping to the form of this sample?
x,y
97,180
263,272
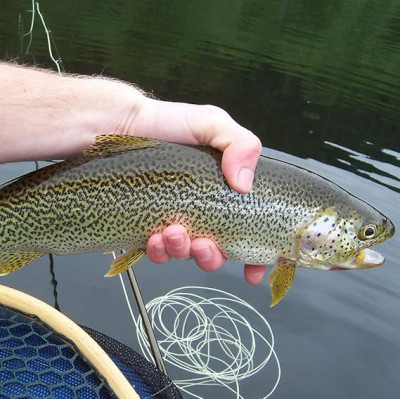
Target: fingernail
x,y
175,242
245,179
258,275
203,253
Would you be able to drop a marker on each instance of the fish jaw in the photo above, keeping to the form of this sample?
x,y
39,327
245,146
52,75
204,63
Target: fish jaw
x,y
362,259
365,258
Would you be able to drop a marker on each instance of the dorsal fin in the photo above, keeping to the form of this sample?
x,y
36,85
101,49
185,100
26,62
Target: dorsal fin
x,y
109,144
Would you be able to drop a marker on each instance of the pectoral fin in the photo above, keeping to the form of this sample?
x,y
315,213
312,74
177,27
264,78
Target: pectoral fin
x,y
11,260
106,145
125,261
281,279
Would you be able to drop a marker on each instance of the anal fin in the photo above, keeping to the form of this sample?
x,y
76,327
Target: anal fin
x,y
281,279
13,259
125,261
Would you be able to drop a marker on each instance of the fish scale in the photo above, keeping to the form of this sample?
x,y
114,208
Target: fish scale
x,y
124,189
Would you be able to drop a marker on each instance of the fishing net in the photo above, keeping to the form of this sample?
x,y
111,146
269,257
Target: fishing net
x,y
37,362
150,382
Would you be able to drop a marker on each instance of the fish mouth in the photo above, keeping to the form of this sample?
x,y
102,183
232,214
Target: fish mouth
x,y
365,258
368,258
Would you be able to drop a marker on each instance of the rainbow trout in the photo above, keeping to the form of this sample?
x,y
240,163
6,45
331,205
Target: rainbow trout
x,y
124,189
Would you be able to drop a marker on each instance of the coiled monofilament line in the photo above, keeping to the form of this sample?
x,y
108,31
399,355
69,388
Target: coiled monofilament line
x,y
210,340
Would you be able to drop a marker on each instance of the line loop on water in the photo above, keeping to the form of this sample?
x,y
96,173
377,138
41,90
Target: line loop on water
x,y
212,337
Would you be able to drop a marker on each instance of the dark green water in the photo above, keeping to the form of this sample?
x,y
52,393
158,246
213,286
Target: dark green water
x,y
319,83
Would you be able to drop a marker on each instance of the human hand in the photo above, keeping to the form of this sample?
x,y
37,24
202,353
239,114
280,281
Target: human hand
x,y
187,123
81,108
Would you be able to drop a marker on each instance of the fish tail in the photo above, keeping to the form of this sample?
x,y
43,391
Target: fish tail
x,y
13,259
11,256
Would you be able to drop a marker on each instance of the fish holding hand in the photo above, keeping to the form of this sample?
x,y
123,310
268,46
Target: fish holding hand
x,y
123,189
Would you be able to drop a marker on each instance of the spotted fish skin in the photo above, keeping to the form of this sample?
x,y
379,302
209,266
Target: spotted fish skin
x,y
124,189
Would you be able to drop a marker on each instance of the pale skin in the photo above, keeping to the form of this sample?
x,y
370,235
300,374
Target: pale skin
x,y
47,116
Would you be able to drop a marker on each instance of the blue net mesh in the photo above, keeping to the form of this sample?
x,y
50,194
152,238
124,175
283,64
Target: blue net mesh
x,y
36,362
147,380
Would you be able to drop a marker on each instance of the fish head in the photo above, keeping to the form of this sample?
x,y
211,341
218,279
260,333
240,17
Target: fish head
x,y
341,238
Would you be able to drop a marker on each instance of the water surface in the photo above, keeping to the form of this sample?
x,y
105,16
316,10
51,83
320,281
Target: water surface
x,y
319,83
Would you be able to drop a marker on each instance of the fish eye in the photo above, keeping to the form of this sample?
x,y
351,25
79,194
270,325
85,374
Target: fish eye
x,y
368,232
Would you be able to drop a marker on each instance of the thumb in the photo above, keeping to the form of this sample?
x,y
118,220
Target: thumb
x,y
239,162
241,148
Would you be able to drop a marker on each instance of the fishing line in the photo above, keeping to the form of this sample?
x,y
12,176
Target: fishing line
x,y
30,32
35,8
206,338
155,350
50,42
125,294
54,281
203,332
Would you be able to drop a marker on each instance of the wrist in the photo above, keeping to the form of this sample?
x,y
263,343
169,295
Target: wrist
x,y
103,106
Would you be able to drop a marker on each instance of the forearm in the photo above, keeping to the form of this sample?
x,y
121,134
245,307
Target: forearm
x,y
47,116
44,115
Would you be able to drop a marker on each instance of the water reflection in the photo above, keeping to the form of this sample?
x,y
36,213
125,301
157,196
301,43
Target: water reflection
x,y
385,172
297,73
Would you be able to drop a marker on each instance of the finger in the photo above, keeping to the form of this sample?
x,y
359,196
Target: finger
x,y
205,124
177,241
206,254
156,250
241,148
254,274
239,162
